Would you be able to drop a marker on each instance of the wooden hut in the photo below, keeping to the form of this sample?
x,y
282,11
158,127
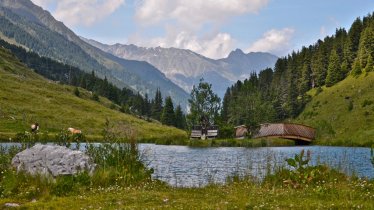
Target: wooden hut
x,y
241,131
198,132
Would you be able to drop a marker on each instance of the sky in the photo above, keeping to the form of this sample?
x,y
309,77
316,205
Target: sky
x,y
212,28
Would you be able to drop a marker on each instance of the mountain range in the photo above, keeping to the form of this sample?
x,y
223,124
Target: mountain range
x,y
174,71
28,25
185,67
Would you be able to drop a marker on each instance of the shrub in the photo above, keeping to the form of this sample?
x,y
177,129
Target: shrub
x,y
118,164
76,92
301,174
366,103
226,132
95,97
350,105
66,138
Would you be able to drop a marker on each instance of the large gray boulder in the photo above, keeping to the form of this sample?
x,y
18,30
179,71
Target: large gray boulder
x,y
52,160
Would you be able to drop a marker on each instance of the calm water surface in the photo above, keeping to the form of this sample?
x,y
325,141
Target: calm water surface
x,y
188,166
184,166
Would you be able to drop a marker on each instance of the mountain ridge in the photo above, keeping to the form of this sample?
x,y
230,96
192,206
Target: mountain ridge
x,y
185,67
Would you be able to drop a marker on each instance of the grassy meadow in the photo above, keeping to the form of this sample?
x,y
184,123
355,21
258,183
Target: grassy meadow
x,y
344,113
26,97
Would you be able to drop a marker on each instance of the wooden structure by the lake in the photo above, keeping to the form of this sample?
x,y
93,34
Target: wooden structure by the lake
x,y
296,132
241,131
199,132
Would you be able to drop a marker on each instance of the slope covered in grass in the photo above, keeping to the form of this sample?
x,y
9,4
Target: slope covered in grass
x,y
344,113
26,97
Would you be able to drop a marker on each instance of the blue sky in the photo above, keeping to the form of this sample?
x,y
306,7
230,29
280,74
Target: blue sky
x,y
210,27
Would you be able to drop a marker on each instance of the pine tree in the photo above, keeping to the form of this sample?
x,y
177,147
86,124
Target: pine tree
x,y
180,119
225,105
157,106
146,109
168,115
333,70
356,69
369,64
351,47
366,45
319,64
305,81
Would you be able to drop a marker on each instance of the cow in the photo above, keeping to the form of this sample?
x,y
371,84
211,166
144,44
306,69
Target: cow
x,y
74,131
34,127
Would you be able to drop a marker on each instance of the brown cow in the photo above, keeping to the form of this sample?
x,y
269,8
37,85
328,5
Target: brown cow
x,y
74,131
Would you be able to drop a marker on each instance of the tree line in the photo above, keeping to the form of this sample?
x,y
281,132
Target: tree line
x,y
130,102
281,93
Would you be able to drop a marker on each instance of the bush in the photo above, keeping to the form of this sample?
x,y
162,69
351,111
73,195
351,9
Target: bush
x,y
302,175
350,105
366,103
76,92
118,164
95,97
226,132
66,138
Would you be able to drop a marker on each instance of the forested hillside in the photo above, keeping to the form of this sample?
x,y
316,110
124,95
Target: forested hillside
x,y
26,97
128,101
282,93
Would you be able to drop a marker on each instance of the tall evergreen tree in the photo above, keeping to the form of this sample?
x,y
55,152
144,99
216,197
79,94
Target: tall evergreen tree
x,y
351,47
157,105
225,105
356,68
333,71
305,80
369,64
168,115
366,45
319,64
180,118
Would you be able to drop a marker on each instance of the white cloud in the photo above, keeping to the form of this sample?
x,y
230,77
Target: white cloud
x,y
82,12
194,13
43,3
322,31
193,24
215,46
274,41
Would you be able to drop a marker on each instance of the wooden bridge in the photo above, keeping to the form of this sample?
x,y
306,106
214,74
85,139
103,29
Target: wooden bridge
x,y
299,133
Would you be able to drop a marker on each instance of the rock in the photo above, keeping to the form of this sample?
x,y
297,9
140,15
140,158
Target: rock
x,y
11,205
52,160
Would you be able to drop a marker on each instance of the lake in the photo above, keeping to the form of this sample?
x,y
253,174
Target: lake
x,y
183,166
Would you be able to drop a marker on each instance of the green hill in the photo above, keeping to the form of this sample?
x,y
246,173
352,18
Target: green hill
x,y
344,113
26,97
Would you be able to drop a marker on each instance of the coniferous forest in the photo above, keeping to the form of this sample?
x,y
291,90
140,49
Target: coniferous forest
x,y
279,94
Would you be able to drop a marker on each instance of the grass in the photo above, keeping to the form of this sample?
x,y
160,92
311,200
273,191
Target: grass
x,y
240,195
26,97
313,187
344,113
